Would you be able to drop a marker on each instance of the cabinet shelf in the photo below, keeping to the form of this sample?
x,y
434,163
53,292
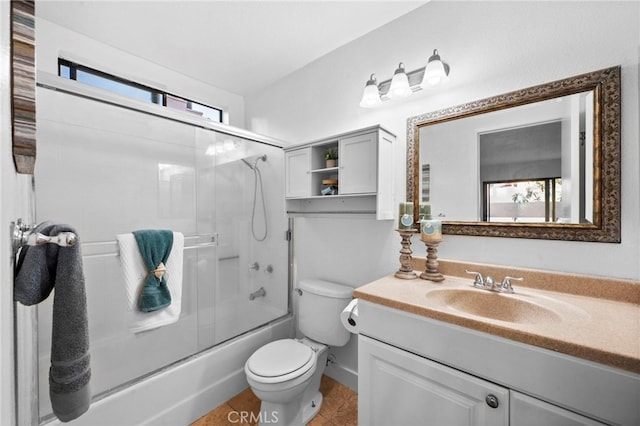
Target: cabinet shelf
x,y
326,170
320,197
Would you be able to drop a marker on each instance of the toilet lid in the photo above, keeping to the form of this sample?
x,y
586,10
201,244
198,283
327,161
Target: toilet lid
x,y
279,358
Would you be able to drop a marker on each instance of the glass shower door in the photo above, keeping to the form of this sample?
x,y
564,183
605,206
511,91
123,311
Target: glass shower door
x,y
251,224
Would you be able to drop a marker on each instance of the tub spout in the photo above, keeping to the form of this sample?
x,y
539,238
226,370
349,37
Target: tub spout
x,y
261,292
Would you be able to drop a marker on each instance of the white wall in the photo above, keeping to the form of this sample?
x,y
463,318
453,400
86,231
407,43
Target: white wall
x,y
492,48
54,41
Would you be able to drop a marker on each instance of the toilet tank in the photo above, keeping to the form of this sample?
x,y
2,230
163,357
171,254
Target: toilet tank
x,y
319,306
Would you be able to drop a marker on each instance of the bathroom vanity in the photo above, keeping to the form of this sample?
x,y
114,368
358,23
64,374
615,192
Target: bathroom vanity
x,y
448,353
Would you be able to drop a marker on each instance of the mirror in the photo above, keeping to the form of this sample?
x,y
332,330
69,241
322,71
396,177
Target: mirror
x,y
23,85
542,162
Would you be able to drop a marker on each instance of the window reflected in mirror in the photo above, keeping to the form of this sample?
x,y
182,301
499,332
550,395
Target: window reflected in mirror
x,y
526,201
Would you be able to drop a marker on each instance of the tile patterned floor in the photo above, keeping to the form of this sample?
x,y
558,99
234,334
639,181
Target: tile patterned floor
x,y
339,408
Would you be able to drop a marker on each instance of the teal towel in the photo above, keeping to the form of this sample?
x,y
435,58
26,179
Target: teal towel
x,y
155,247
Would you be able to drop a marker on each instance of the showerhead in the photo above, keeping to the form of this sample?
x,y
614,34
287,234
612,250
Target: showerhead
x,y
252,164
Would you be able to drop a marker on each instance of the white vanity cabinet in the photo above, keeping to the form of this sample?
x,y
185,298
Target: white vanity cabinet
x,y
362,180
417,370
396,387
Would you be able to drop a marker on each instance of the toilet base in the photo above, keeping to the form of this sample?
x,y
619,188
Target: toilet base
x,y
290,414
303,408
285,414
311,408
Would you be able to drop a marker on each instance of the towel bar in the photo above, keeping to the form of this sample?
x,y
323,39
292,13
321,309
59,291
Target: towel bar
x,y
22,235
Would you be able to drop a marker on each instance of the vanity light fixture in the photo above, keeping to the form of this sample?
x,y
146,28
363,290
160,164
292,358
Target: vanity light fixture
x,y
403,83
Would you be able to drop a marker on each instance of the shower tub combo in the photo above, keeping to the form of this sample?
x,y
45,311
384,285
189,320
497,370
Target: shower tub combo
x,y
131,167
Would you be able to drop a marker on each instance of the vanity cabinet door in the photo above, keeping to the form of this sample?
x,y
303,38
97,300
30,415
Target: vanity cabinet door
x,y
358,159
396,387
529,411
298,173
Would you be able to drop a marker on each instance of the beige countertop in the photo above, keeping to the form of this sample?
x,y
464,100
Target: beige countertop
x,y
593,328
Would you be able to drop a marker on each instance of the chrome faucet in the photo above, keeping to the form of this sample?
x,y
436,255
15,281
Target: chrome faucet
x,y
489,284
261,292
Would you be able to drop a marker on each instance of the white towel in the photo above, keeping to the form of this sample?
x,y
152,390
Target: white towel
x,y
135,271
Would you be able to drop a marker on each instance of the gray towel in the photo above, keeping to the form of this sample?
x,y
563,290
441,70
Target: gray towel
x,y
38,270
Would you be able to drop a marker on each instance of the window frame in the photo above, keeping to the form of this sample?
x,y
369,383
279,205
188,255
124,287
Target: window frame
x,y
158,97
550,190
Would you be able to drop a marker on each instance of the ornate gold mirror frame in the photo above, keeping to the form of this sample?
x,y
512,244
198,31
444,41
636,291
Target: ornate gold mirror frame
x,y
606,174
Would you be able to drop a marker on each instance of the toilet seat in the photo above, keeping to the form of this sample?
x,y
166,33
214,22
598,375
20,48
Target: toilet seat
x,y
280,361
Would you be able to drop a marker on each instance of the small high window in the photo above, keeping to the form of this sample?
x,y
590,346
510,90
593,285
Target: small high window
x,y
95,78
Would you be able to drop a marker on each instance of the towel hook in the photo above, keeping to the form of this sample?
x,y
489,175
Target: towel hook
x,y
22,235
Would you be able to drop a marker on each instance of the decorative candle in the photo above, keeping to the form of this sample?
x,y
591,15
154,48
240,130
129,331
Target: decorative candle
x,y
431,230
425,211
405,216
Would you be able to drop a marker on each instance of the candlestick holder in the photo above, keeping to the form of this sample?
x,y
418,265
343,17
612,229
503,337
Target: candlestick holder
x,y
406,270
431,272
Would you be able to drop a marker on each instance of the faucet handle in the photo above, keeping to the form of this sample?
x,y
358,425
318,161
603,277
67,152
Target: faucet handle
x,y
505,287
479,281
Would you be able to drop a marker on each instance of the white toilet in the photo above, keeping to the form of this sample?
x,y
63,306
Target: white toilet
x,y
286,374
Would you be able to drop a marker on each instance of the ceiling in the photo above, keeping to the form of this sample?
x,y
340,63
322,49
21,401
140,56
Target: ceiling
x,y
238,46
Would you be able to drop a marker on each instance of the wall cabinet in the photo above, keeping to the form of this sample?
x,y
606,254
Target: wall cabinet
x,y
297,163
359,165
361,183
414,370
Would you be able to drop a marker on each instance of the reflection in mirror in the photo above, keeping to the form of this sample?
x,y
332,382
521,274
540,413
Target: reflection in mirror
x,y
531,163
542,162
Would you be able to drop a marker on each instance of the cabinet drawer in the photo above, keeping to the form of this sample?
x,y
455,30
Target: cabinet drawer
x,y
528,411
